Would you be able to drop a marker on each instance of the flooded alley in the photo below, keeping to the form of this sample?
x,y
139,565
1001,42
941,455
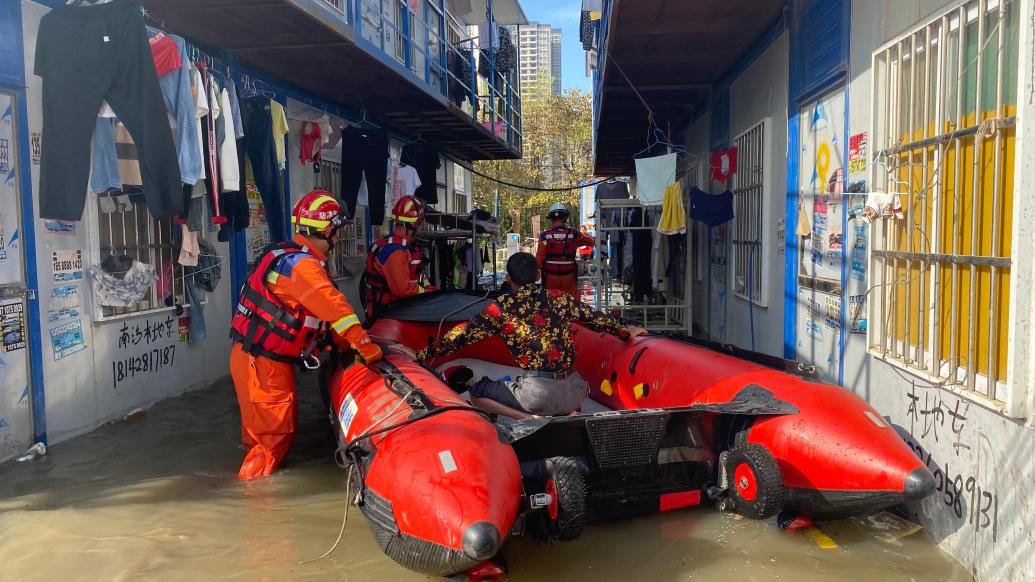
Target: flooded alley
x,y
155,498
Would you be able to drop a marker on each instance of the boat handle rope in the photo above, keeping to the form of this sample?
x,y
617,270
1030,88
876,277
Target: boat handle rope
x,y
636,359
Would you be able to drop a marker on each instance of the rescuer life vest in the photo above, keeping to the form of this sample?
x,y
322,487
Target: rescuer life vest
x,y
375,290
560,250
262,323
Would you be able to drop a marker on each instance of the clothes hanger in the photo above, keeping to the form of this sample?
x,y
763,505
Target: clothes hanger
x,y
659,139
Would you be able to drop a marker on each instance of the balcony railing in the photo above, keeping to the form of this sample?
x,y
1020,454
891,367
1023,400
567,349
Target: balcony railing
x,y
431,44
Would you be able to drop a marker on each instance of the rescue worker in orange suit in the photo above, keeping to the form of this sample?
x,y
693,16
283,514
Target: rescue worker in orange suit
x,y
284,303
556,254
394,264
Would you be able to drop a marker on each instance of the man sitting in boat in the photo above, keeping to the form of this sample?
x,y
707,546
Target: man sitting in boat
x,y
535,323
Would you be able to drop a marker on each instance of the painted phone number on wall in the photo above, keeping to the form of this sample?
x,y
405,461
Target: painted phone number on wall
x,y
147,363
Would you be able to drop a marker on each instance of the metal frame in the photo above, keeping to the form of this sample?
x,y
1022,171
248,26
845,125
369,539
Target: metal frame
x,y
137,234
919,87
750,232
674,315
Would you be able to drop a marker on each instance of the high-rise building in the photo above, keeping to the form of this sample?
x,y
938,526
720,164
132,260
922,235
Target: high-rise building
x,y
539,51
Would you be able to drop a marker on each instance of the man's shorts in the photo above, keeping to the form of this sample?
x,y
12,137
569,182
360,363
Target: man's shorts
x,y
534,394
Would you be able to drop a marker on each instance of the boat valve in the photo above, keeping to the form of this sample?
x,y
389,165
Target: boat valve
x,y
540,500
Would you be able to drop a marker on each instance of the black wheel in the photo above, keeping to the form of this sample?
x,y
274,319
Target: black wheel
x,y
755,482
567,512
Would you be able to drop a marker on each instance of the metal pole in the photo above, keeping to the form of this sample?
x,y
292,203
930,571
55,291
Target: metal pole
x,y
939,235
979,142
993,336
908,350
957,201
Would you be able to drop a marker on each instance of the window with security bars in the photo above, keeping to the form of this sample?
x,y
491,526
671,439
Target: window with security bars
x,y
748,232
351,237
944,107
124,227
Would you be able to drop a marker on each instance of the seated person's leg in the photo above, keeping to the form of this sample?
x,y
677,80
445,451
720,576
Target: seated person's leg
x,y
497,397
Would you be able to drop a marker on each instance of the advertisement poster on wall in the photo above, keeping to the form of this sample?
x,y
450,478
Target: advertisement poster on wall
x,y
12,325
67,339
10,256
64,303
257,235
67,265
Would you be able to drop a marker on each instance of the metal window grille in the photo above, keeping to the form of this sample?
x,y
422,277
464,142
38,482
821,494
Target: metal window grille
x,y
748,233
943,115
460,202
352,236
131,231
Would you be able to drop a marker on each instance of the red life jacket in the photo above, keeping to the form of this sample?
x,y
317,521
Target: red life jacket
x,y
560,244
262,323
375,289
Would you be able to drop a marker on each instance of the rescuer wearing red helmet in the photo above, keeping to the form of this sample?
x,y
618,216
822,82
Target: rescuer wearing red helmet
x,y
284,303
556,253
394,264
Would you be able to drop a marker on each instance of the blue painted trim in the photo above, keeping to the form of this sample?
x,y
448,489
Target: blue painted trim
x,y
28,230
791,251
843,339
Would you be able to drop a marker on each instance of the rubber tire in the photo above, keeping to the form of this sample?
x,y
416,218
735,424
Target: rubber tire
x,y
571,498
769,489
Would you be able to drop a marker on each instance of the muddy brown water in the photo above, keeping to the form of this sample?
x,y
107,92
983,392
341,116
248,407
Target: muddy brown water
x,y
156,498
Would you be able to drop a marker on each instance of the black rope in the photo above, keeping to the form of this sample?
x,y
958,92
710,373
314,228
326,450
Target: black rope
x,y
523,187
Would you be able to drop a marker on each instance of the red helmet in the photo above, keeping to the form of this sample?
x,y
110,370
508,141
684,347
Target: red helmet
x,y
315,212
409,209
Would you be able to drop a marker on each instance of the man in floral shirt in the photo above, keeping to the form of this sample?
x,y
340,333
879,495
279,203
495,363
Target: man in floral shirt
x,y
535,323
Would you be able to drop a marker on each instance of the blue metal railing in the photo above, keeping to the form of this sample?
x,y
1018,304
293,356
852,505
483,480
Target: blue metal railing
x,y
431,44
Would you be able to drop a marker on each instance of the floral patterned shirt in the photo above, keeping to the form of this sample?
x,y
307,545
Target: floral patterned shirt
x,y
534,323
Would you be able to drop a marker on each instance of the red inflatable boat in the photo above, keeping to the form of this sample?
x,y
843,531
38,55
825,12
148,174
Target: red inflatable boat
x,y
439,490
669,424
829,455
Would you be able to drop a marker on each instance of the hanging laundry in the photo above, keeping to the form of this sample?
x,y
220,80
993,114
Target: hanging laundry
x,y
711,209
258,122
280,131
724,164
882,205
165,54
228,164
189,247
309,144
179,102
210,129
86,56
200,96
122,288
364,153
427,161
673,213
405,182
164,284
653,175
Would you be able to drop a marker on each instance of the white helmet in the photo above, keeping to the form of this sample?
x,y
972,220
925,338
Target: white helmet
x,y
558,212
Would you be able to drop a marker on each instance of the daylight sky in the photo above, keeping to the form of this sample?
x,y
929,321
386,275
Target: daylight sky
x,y
563,14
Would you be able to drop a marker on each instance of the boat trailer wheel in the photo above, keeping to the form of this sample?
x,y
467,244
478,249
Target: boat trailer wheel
x,y
755,483
567,508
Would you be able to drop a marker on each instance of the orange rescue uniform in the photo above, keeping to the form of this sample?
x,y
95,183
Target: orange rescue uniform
x,y
401,275
266,387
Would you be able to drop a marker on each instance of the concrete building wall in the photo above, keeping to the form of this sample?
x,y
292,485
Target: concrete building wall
x,y
760,94
108,378
983,512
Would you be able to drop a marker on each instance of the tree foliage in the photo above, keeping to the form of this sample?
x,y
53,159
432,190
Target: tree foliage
x,y
557,152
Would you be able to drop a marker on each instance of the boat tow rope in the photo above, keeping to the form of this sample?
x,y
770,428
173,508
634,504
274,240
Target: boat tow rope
x,y
344,520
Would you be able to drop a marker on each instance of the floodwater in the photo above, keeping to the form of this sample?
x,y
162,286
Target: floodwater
x,y
156,498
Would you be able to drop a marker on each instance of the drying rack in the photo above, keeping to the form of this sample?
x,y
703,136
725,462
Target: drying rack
x,y
443,227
